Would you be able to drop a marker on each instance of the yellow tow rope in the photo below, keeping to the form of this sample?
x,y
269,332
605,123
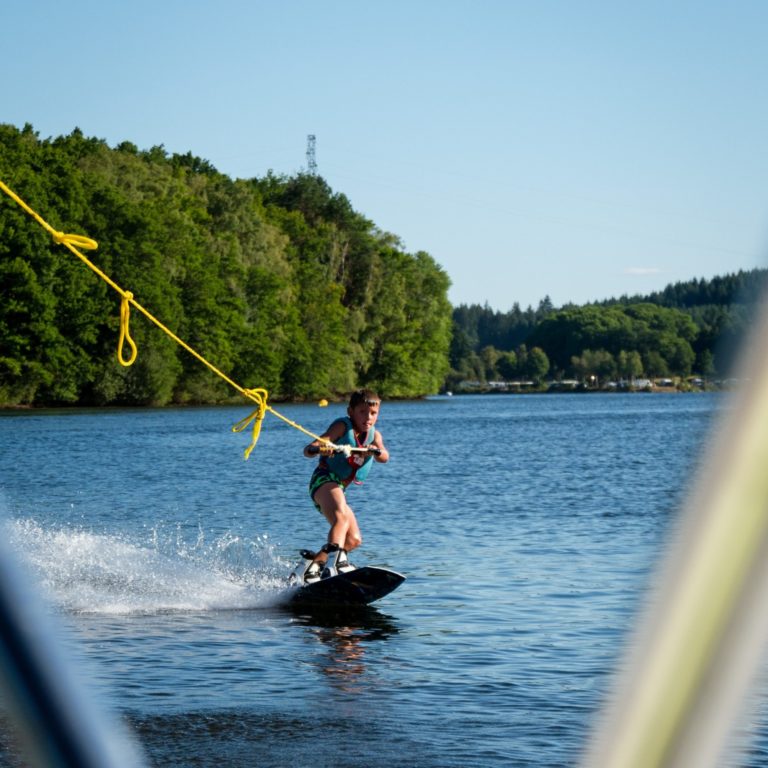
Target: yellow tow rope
x,y
259,396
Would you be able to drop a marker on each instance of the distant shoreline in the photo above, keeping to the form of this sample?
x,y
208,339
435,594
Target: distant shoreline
x,y
710,387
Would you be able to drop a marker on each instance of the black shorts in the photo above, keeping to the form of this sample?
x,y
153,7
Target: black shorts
x,y
321,476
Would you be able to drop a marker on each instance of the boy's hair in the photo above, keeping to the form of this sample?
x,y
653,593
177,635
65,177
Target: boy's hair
x,y
367,396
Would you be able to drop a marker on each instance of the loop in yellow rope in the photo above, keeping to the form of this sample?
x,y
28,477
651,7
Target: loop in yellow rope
x,y
259,396
125,333
78,241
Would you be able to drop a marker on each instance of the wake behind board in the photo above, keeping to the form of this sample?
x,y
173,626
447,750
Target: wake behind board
x,y
360,586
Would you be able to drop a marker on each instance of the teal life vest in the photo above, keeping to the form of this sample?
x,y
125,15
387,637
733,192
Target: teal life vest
x,y
355,468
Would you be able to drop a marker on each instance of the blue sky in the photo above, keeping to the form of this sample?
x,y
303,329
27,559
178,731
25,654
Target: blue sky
x,y
580,150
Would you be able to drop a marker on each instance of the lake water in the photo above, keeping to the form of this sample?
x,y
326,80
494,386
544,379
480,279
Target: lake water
x,y
526,525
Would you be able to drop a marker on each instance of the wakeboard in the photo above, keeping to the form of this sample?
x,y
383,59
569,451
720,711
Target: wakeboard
x,y
359,586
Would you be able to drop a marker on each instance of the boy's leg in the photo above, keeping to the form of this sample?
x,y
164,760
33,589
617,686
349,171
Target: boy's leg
x,y
345,531
354,538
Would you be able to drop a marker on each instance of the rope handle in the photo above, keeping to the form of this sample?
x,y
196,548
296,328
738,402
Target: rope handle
x,y
347,450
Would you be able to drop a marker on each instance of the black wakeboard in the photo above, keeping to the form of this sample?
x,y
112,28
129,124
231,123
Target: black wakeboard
x,y
360,586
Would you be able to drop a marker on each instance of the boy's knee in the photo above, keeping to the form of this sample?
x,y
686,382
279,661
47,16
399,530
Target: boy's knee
x,y
338,514
353,542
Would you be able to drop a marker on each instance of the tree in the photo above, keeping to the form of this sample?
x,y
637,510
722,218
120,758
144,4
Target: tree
x,y
654,364
705,363
629,365
594,367
490,357
507,365
537,364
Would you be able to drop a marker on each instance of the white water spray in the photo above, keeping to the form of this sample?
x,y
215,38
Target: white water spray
x,y
102,573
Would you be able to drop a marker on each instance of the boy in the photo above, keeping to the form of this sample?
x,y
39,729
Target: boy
x,y
335,471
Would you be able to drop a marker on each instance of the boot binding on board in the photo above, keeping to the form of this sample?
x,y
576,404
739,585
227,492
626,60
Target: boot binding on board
x,y
313,573
342,563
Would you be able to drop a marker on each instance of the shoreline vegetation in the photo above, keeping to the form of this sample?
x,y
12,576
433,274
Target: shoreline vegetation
x,y
677,386
281,284
468,390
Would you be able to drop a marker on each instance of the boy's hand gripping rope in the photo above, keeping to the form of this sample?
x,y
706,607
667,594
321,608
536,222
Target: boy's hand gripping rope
x,y
73,242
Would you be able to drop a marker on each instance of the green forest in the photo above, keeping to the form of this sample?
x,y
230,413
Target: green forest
x,y
693,327
277,281
282,285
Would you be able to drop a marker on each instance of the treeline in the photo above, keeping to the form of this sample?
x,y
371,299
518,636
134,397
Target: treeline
x,y
689,327
277,281
281,284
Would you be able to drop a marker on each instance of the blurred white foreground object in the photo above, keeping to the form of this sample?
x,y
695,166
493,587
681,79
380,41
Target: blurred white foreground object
x,y
701,638
60,722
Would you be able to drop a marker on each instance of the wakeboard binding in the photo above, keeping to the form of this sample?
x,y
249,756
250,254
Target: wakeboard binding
x,y
310,570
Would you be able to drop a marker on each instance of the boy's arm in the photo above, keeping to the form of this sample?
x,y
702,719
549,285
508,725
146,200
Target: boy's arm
x,y
332,434
378,443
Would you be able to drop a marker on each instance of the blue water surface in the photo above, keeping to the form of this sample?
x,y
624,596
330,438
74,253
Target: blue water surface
x,y
527,527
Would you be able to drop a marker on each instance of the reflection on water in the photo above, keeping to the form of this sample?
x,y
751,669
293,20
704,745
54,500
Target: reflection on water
x,y
344,633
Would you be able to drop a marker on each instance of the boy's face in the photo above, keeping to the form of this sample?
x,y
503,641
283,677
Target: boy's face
x,y
364,414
